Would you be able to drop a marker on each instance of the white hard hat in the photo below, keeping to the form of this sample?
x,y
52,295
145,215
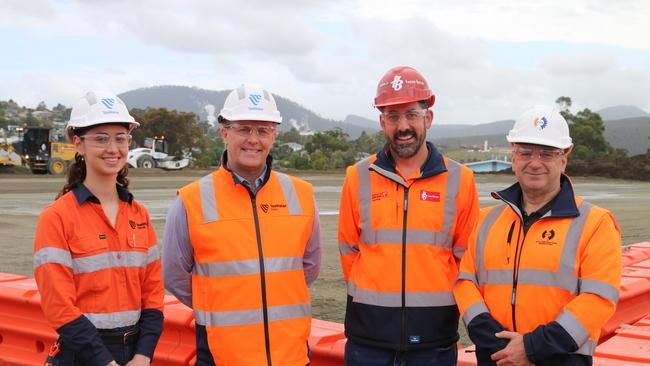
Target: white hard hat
x,y
98,107
250,102
541,125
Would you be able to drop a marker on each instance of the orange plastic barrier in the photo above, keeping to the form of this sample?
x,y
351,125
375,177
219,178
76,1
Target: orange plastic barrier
x,y
25,335
630,346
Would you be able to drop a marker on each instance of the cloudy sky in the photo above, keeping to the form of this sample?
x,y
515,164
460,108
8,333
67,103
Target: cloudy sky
x,y
485,60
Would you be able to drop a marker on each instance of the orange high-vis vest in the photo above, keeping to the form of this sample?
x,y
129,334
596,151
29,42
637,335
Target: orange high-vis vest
x,y
400,245
568,271
248,285
85,266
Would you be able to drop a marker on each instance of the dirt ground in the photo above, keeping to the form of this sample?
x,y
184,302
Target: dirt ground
x,y
23,196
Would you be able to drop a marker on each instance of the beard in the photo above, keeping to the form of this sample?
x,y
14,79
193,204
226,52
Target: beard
x,y
406,150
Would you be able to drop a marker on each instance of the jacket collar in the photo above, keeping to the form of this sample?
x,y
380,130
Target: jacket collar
x,y
83,194
385,164
237,179
563,205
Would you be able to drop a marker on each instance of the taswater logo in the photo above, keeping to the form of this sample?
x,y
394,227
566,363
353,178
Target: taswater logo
x,y
540,123
255,98
108,102
397,83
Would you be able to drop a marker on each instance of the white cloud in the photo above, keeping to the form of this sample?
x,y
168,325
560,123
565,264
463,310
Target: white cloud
x,y
329,56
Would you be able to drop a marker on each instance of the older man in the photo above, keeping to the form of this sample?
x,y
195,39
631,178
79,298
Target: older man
x,y
542,271
242,244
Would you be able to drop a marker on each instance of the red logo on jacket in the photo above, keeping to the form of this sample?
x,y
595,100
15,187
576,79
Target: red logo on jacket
x,y
429,196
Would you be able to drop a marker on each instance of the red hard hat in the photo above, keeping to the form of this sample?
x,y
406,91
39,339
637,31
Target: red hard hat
x,y
403,84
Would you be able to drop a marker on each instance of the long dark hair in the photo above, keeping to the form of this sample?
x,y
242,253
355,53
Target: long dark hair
x,y
77,170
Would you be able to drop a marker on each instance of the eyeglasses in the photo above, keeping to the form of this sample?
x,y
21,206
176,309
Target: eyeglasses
x,y
263,132
103,139
412,116
545,155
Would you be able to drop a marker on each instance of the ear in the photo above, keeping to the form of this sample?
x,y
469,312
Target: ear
x,y
568,150
77,141
224,132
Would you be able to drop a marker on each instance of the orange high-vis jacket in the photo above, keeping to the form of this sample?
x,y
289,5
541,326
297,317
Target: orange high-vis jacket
x,y
85,266
400,245
248,285
564,272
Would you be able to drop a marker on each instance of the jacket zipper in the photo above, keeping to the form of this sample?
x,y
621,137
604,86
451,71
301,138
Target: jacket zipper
x,y
515,275
265,312
404,320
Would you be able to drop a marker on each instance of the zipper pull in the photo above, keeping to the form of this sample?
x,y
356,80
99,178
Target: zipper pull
x,y
514,295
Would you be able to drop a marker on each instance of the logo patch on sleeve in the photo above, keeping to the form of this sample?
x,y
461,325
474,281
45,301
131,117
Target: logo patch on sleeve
x,y
414,339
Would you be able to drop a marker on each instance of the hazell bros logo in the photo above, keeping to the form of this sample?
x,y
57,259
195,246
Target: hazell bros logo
x,y
271,207
378,196
136,225
547,238
429,196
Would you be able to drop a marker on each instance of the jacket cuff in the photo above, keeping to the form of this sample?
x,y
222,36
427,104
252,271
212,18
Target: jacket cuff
x,y
151,326
482,330
548,340
81,336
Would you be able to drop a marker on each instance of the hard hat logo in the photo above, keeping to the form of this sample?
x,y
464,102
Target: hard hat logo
x,y
397,83
255,98
108,102
540,123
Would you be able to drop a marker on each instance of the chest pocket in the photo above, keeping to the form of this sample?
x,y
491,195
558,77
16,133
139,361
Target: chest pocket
x,y
88,245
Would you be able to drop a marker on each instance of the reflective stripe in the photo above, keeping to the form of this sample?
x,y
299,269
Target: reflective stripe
x,y
52,255
442,238
290,195
113,320
244,317
473,311
247,266
96,262
459,251
394,299
108,260
588,348
573,326
563,278
483,232
153,254
208,199
468,276
602,289
345,248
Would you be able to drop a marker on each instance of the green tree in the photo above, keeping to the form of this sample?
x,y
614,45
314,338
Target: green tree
x,y
183,132
587,132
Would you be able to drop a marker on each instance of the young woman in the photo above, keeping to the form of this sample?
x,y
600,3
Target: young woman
x,y
96,262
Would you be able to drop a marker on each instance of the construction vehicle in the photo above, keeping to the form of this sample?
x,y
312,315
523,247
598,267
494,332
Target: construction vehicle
x,y
42,153
8,155
154,155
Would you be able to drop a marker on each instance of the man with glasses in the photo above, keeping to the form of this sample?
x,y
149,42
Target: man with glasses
x,y
242,244
541,274
405,217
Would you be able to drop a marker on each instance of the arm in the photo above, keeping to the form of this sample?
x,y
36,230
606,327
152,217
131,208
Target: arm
x,y
467,214
153,292
481,326
178,255
312,259
600,273
53,272
348,225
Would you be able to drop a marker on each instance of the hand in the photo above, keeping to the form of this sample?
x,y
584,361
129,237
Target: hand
x,y
514,354
139,360
113,363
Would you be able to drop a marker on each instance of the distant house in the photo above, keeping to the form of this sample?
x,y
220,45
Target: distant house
x,y
492,165
294,146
